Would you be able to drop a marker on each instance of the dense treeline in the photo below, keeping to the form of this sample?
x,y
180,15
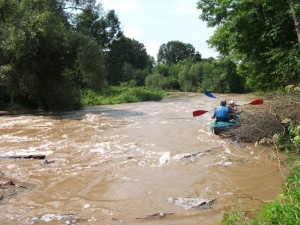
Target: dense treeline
x,y
53,52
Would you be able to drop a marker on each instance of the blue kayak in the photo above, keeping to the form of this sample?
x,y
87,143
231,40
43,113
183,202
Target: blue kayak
x,y
218,127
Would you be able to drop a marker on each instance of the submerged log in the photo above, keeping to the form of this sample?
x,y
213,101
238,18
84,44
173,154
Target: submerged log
x,y
24,157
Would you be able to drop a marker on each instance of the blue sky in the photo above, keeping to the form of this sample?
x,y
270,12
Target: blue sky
x,y
155,22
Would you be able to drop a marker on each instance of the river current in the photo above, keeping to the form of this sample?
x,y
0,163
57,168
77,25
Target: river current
x,y
139,163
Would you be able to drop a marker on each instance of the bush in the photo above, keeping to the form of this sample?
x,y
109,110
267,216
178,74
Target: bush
x,y
155,81
121,94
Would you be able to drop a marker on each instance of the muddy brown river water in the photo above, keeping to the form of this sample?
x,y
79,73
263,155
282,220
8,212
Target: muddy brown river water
x,y
140,163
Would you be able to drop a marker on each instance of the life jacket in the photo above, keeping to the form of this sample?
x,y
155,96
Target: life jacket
x,y
222,112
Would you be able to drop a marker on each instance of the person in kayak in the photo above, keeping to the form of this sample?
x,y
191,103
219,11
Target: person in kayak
x,y
222,112
232,106
233,111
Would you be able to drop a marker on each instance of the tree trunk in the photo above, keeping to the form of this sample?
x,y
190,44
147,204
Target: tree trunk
x,y
296,18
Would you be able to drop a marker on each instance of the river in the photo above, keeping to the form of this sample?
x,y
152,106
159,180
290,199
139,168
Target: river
x,y
138,163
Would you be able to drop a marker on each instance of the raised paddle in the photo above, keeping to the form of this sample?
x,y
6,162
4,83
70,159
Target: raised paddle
x,y
207,93
254,102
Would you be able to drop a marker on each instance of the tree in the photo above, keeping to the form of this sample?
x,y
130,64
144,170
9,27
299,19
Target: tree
x,y
127,51
44,61
174,51
258,35
36,49
103,27
91,65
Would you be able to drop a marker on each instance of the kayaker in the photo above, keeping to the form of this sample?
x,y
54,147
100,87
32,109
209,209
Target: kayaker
x,y
232,106
221,112
233,111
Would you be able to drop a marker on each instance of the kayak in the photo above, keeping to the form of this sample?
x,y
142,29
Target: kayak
x,y
220,126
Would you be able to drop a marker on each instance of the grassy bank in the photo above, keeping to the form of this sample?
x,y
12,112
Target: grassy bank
x,y
121,94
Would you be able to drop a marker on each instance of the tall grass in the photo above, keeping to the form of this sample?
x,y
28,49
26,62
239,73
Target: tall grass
x,y
121,94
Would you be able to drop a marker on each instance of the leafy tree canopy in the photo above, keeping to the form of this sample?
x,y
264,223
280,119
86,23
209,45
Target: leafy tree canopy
x,y
174,51
259,36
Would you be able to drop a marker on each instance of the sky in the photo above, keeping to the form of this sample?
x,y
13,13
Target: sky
x,y
156,22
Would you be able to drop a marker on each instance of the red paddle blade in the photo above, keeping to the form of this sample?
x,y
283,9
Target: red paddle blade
x,y
199,112
257,102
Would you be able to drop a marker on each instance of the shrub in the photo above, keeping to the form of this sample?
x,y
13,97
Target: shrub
x,y
121,94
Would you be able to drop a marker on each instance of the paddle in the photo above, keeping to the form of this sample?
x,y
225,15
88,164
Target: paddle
x,y
199,112
207,93
254,102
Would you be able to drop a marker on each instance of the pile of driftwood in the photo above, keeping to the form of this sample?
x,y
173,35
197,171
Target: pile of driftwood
x,y
264,121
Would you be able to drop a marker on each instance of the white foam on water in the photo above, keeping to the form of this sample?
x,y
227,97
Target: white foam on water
x,y
142,163
224,162
47,124
12,138
86,206
102,147
90,117
165,158
48,217
29,151
227,151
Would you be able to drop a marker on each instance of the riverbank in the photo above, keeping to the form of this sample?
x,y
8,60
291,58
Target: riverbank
x,y
277,124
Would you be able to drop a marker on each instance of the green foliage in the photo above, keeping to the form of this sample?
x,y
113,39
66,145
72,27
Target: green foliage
x,y
103,27
190,76
47,55
90,62
121,94
290,140
285,210
175,51
128,60
36,48
187,75
155,81
259,35
233,218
